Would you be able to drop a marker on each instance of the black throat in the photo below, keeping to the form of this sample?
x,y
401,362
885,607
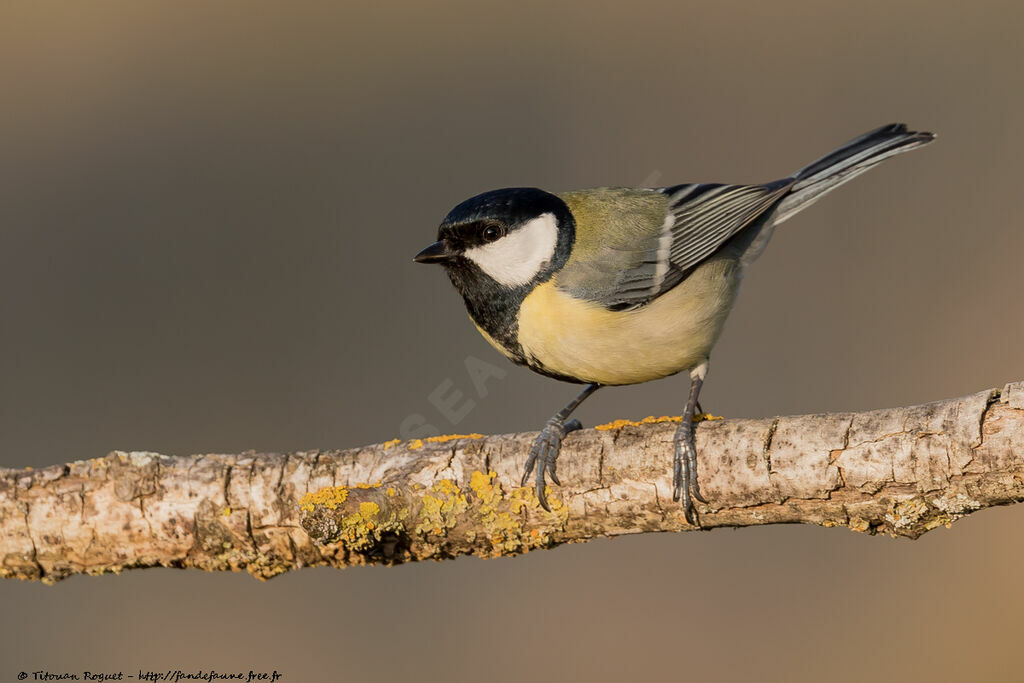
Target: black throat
x,y
493,307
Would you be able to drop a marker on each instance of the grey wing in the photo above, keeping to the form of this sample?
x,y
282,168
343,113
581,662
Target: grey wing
x,y
700,219
707,215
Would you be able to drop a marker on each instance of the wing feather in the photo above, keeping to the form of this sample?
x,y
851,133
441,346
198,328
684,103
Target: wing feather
x,y
630,270
704,220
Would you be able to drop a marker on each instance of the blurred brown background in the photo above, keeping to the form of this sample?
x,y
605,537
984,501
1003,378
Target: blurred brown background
x,y
207,219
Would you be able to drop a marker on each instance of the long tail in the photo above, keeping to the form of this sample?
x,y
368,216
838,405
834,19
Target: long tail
x,y
846,163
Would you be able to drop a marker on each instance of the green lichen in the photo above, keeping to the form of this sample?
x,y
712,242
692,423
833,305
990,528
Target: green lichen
x,y
364,530
440,513
503,517
504,531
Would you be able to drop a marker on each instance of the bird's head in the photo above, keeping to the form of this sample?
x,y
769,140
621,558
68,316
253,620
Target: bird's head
x,y
507,239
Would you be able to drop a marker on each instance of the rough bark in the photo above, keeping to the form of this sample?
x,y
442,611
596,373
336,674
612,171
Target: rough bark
x,y
901,471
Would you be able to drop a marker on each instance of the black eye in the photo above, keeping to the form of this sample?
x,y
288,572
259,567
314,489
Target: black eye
x,y
491,233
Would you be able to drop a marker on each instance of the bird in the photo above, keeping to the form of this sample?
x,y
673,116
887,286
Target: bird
x,y
614,285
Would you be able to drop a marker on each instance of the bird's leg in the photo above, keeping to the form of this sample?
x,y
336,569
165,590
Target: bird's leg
x,y
684,464
549,443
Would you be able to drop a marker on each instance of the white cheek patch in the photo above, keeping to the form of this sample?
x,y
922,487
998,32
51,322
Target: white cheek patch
x,y
517,257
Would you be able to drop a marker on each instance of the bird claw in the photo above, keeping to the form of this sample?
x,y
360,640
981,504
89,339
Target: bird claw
x,y
544,455
685,486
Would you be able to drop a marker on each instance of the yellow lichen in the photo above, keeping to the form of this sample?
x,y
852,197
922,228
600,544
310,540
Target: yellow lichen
x,y
226,512
522,497
330,498
431,506
392,442
439,517
650,419
504,529
360,530
452,437
527,496
488,493
415,443
447,487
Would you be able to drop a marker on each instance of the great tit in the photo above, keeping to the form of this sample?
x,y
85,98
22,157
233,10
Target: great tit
x,y
615,285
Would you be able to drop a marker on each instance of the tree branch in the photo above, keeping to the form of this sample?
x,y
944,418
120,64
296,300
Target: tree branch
x,y
901,471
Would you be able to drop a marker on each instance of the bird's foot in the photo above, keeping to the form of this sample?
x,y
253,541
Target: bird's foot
x,y
685,486
544,454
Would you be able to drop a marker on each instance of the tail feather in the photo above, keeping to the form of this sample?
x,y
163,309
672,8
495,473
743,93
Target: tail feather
x,y
846,163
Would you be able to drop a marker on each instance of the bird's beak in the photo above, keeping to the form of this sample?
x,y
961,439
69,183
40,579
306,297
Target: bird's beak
x,y
438,252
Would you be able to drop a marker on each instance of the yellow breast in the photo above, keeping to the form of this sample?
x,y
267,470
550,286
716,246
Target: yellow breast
x,y
674,332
